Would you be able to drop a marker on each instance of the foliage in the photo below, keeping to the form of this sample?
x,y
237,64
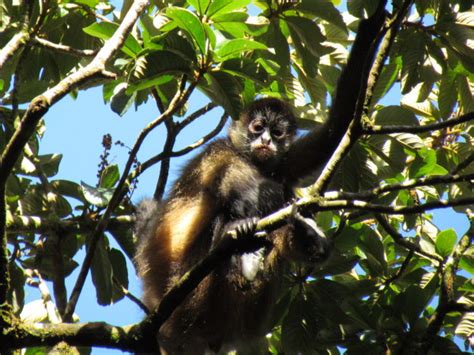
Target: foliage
x,y
395,281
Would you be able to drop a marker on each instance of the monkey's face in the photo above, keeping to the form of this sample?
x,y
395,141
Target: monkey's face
x,y
269,136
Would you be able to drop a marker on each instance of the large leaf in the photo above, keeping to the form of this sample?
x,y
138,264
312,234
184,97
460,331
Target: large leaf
x,y
324,9
299,328
395,115
218,7
96,196
110,175
101,271
447,94
279,43
190,23
245,68
307,32
201,6
120,272
236,47
105,30
445,242
386,80
224,89
121,100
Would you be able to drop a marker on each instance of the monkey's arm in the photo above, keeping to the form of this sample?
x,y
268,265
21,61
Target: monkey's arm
x,y
314,149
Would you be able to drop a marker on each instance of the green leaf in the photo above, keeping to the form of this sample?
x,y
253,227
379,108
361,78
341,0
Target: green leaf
x,y
308,32
190,23
224,89
414,300
395,115
124,238
201,6
386,80
324,9
445,242
447,95
299,327
246,68
225,6
96,196
412,48
105,30
236,47
120,272
101,271
110,175
278,42
68,188
121,101
362,8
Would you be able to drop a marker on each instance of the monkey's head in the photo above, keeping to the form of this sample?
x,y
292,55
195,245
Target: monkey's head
x,y
264,131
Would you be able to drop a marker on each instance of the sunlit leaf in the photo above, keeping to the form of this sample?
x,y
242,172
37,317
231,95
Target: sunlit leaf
x,y
236,47
105,30
110,175
96,196
218,7
189,22
445,242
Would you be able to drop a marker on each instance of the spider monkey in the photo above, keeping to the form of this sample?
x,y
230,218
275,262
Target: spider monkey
x,y
231,184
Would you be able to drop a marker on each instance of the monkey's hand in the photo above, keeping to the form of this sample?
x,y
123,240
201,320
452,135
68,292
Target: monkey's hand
x,y
309,240
244,230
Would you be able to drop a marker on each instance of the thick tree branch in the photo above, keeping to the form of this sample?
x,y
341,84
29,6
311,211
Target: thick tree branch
x,y
419,129
4,272
80,225
348,104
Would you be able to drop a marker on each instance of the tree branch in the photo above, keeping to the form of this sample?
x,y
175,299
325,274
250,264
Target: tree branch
x,y
157,158
175,104
400,240
80,225
348,103
419,129
64,49
408,184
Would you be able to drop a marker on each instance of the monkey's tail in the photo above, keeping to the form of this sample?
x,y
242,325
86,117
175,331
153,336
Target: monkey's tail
x,y
145,219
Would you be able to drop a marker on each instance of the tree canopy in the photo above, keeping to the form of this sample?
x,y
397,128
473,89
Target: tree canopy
x,y
395,283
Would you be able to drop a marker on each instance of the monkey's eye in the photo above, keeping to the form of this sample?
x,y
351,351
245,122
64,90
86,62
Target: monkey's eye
x,y
256,127
278,133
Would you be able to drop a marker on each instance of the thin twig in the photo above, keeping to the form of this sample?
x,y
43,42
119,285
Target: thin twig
x,y
408,184
64,49
400,240
130,296
175,104
419,129
157,158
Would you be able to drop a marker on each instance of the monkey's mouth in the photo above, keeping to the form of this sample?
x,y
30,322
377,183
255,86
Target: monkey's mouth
x,y
264,149
263,153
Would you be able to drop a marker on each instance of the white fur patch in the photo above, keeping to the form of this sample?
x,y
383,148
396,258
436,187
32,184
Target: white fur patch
x,y
252,263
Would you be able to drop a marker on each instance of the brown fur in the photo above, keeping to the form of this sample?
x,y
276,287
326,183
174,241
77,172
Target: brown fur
x,y
220,186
